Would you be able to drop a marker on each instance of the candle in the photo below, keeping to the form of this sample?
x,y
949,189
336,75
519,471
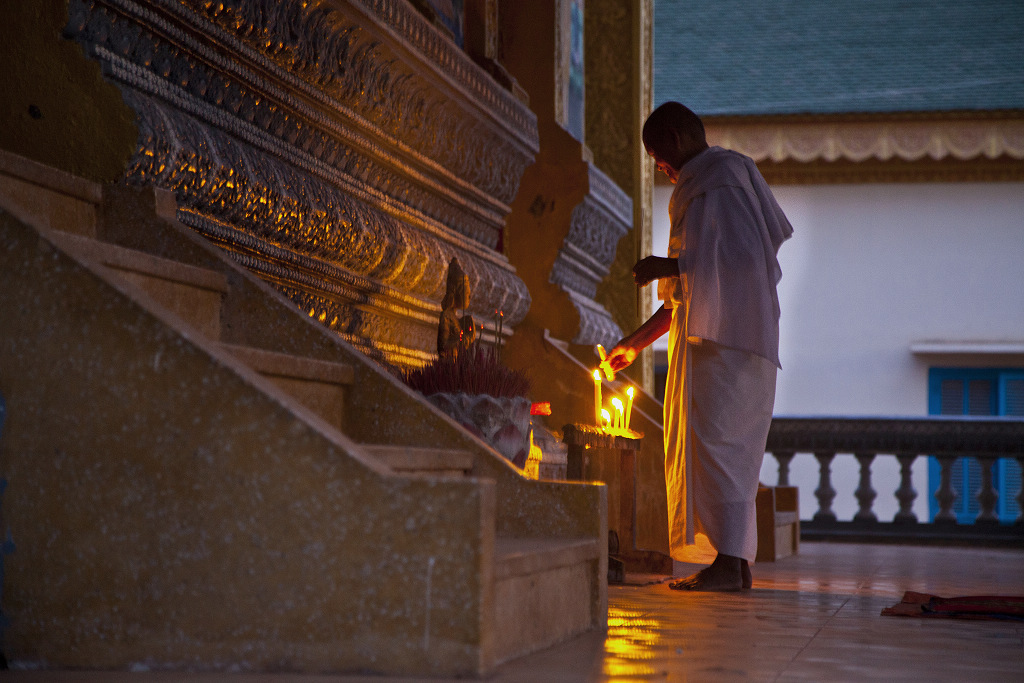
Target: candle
x,y
605,366
597,398
629,405
617,402
606,419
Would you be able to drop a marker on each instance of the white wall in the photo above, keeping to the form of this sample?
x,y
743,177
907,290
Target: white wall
x,y
870,270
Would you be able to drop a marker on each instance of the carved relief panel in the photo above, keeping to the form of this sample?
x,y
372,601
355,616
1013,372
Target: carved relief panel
x,y
598,223
345,150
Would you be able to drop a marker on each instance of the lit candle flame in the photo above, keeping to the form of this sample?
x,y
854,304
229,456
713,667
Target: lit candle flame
x,y
629,405
606,419
618,423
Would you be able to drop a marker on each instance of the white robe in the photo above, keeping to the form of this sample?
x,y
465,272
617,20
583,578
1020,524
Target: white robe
x,y
723,353
726,230
718,409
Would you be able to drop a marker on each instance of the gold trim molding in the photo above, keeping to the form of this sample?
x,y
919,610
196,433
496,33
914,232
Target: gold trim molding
x,y
857,141
898,148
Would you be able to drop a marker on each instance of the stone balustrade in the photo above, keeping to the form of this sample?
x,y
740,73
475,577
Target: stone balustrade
x,y
985,440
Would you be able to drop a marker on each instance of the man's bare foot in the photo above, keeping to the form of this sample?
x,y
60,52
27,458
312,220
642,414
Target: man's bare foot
x,y
724,575
687,583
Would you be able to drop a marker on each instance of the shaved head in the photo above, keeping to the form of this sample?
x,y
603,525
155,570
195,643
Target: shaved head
x,y
674,134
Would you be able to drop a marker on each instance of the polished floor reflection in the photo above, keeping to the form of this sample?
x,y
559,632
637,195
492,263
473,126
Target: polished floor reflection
x,y
811,617
816,617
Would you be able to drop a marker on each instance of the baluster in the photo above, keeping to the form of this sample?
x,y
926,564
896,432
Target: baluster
x,y
945,496
783,458
987,494
864,493
825,493
906,494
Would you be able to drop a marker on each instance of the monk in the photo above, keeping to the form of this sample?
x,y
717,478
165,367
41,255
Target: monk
x,y
721,311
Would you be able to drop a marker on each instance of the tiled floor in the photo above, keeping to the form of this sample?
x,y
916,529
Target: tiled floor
x,y
812,617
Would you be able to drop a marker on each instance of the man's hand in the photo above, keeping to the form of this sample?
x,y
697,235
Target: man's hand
x,y
628,347
654,268
621,356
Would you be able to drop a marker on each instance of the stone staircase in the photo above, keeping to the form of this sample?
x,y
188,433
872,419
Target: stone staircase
x,y
439,462
201,477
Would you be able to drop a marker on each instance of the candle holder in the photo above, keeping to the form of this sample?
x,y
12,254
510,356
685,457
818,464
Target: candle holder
x,y
596,455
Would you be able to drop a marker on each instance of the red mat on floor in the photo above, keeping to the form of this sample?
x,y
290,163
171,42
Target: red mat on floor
x,y
998,607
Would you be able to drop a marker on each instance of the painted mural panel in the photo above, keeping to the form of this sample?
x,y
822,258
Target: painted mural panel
x,y
575,108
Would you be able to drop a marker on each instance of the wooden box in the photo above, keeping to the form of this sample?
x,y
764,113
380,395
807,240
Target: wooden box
x,y
778,522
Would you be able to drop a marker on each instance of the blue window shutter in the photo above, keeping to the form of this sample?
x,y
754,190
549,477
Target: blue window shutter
x,y
968,508
1011,403
1008,473
980,400
951,397
976,391
1011,394
981,396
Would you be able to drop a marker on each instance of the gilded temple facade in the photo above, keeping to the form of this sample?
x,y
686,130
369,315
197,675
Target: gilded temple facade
x,y
346,150
220,222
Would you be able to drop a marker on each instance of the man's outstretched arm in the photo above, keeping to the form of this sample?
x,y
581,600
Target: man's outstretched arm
x,y
626,350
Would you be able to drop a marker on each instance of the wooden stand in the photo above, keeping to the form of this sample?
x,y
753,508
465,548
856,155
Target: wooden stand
x,y
778,522
594,455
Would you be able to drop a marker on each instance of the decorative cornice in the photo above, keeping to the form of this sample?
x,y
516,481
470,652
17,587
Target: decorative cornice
x,y
908,140
899,148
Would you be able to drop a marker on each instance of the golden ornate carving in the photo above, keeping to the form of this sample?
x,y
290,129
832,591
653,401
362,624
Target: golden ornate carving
x,y
343,149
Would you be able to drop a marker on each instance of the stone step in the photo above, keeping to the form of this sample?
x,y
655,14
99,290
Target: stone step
x,y
544,592
422,460
233,456
193,294
321,386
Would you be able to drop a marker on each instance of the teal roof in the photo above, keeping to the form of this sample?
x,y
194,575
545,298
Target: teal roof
x,y
750,57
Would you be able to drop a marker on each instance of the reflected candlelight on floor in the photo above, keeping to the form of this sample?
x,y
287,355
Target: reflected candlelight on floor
x,y
633,637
